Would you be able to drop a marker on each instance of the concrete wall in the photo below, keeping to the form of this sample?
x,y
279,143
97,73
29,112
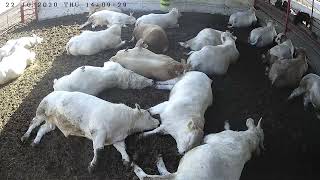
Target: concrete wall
x,y
57,8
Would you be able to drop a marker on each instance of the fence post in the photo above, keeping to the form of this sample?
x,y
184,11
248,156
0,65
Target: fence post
x,y
311,18
36,9
22,13
287,16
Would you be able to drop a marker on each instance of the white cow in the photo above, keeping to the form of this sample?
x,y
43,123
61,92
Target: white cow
x,y
221,157
288,72
11,67
310,87
182,116
152,35
92,80
26,42
204,38
79,114
263,36
92,42
243,18
284,50
148,64
109,18
168,20
215,59
93,9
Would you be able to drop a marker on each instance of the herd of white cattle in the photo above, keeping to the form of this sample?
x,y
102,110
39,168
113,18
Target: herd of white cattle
x,y
74,108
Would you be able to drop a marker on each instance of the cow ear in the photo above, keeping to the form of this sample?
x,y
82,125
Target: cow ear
x,y
250,123
138,107
54,81
259,124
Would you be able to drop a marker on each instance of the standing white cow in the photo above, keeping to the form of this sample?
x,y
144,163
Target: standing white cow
x,y
148,64
109,18
11,67
92,80
168,20
263,36
215,59
221,157
243,18
310,87
205,37
182,116
79,114
91,42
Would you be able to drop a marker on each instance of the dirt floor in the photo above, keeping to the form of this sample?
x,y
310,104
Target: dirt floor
x,y
290,132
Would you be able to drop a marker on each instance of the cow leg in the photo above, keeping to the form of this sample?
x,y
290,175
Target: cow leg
x,y
98,140
121,44
121,147
306,100
36,121
159,129
168,82
164,87
158,108
162,167
45,128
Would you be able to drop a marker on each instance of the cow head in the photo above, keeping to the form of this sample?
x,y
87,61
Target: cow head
x,y
176,12
132,20
280,38
190,136
257,136
143,120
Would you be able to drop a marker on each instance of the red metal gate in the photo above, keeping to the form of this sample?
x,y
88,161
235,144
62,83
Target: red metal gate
x,y
29,10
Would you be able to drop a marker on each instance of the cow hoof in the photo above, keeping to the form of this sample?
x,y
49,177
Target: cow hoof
x,y
23,138
33,144
91,169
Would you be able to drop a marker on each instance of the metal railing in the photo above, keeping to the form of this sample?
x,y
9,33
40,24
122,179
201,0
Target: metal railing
x,y
9,18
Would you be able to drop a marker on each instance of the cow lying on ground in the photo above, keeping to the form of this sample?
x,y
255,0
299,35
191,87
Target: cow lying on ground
x,y
182,116
222,156
148,64
310,88
79,114
92,42
92,80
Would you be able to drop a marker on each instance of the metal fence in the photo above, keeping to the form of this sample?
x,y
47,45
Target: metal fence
x,y
9,18
307,6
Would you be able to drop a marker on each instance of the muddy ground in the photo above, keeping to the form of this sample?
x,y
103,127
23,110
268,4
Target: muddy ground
x,y
291,134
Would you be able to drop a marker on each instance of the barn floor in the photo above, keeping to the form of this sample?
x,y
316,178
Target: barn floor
x,y
292,146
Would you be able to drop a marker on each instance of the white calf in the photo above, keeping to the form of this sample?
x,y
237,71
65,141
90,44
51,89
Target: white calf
x,y
215,59
91,42
182,116
204,38
79,114
92,80
168,20
310,87
221,157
